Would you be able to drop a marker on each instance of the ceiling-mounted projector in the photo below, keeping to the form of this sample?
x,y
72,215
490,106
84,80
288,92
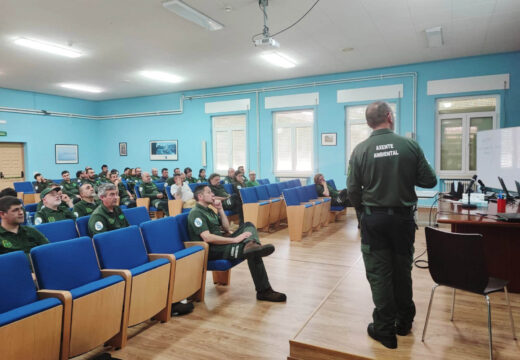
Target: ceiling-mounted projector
x,y
267,42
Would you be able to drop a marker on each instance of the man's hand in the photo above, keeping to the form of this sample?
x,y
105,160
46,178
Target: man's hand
x,y
160,196
324,182
242,237
217,204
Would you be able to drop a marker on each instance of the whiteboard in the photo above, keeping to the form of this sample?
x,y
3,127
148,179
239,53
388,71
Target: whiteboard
x,y
498,154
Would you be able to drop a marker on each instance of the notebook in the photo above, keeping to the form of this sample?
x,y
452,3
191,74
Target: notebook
x,y
511,217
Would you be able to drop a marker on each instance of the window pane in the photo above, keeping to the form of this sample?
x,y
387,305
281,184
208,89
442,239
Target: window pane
x,y
451,144
239,148
283,147
457,106
303,148
222,150
477,124
358,133
230,121
294,118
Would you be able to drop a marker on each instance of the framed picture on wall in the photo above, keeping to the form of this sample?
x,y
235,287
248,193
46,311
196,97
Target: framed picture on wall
x,y
328,139
66,153
164,150
122,149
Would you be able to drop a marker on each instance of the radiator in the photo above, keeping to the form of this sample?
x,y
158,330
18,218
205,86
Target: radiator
x,y
465,184
304,181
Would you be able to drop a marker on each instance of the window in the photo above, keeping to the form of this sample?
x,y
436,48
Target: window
x,y
294,142
458,122
229,142
357,128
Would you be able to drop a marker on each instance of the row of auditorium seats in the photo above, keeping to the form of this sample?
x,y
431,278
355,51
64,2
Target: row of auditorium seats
x,y
91,290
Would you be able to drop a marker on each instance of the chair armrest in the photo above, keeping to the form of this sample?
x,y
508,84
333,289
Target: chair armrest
x,y
66,299
205,245
62,295
124,273
170,257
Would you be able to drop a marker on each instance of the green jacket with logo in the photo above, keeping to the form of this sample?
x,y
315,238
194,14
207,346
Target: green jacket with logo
x,y
103,220
26,238
84,208
70,188
47,215
149,190
384,170
219,190
40,186
252,183
201,219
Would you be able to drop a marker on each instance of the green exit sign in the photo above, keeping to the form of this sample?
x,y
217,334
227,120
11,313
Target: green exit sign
x,y
3,133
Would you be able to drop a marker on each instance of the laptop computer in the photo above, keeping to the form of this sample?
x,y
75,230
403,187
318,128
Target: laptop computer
x,y
508,196
517,189
511,217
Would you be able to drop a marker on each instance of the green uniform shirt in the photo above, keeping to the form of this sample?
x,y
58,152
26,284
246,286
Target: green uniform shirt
x,y
26,238
237,186
384,170
228,180
84,208
46,215
219,190
202,179
122,191
40,205
201,219
103,175
103,220
155,177
149,190
252,183
94,183
191,180
70,188
170,181
332,192
40,186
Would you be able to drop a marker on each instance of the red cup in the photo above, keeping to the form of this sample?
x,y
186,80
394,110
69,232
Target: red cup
x,y
501,205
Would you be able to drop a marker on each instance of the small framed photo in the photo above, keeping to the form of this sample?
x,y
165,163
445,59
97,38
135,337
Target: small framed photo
x,y
66,153
328,139
122,149
164,150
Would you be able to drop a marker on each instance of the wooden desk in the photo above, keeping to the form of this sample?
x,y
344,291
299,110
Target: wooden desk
x,y
501,239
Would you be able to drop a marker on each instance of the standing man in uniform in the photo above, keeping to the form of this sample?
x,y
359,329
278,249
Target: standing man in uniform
x,y
383,173
149,190
88,204
52,209
13,235
107,216
205,225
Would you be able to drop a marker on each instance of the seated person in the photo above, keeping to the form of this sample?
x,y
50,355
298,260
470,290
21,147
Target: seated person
x,y
202,176
238,182
252,179
88,203
126,174
52,209
107,216
149,190
164,175
66,200
91,178
189,178
230,176
13,235
125,197
41,183
205,225
64,204
231,202
80,175
71,188
155,174
182,192
241,168
103,175
337,198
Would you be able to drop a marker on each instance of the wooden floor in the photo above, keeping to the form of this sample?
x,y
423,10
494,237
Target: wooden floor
x,y
328,307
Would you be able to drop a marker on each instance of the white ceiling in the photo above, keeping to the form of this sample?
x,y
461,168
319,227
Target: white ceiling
x,y
122,37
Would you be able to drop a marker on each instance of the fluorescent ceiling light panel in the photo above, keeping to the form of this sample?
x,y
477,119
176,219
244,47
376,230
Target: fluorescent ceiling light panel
x,y
48,47
278,59
180,8
80,87
161,76
434,37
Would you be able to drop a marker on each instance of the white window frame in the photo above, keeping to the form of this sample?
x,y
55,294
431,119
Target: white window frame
x,y
293,173
465,173
349,122
229,131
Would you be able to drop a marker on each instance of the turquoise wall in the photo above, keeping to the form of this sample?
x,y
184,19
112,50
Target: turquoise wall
x,y
99,139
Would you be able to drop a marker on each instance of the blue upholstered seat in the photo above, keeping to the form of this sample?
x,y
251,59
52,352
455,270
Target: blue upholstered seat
x,y
30,207
82,224
273,190
59,230
137,215
24,186
162,237
263,194
138,196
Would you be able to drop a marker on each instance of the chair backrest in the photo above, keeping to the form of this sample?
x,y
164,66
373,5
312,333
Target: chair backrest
x,y
260,181
137,215
291,197
229,188
182,225
264,181
137,192
332,183
16,283
273,190
82,224
65,265
168,192
457,260
261,192
248,195
57,181
121,248
310,191
30,207
59,230
302,194
160,185
162,236
24,186
282,185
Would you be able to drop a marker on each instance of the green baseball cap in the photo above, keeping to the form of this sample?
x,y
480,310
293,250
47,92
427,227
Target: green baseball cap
x,y
49,189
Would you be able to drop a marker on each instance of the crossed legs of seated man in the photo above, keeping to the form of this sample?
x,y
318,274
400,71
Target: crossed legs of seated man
x,y
244,243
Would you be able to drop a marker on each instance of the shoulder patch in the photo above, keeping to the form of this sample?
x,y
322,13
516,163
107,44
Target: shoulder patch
x,y
76,214
7,244
140,188
38,221
197,222
98,225
121,216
